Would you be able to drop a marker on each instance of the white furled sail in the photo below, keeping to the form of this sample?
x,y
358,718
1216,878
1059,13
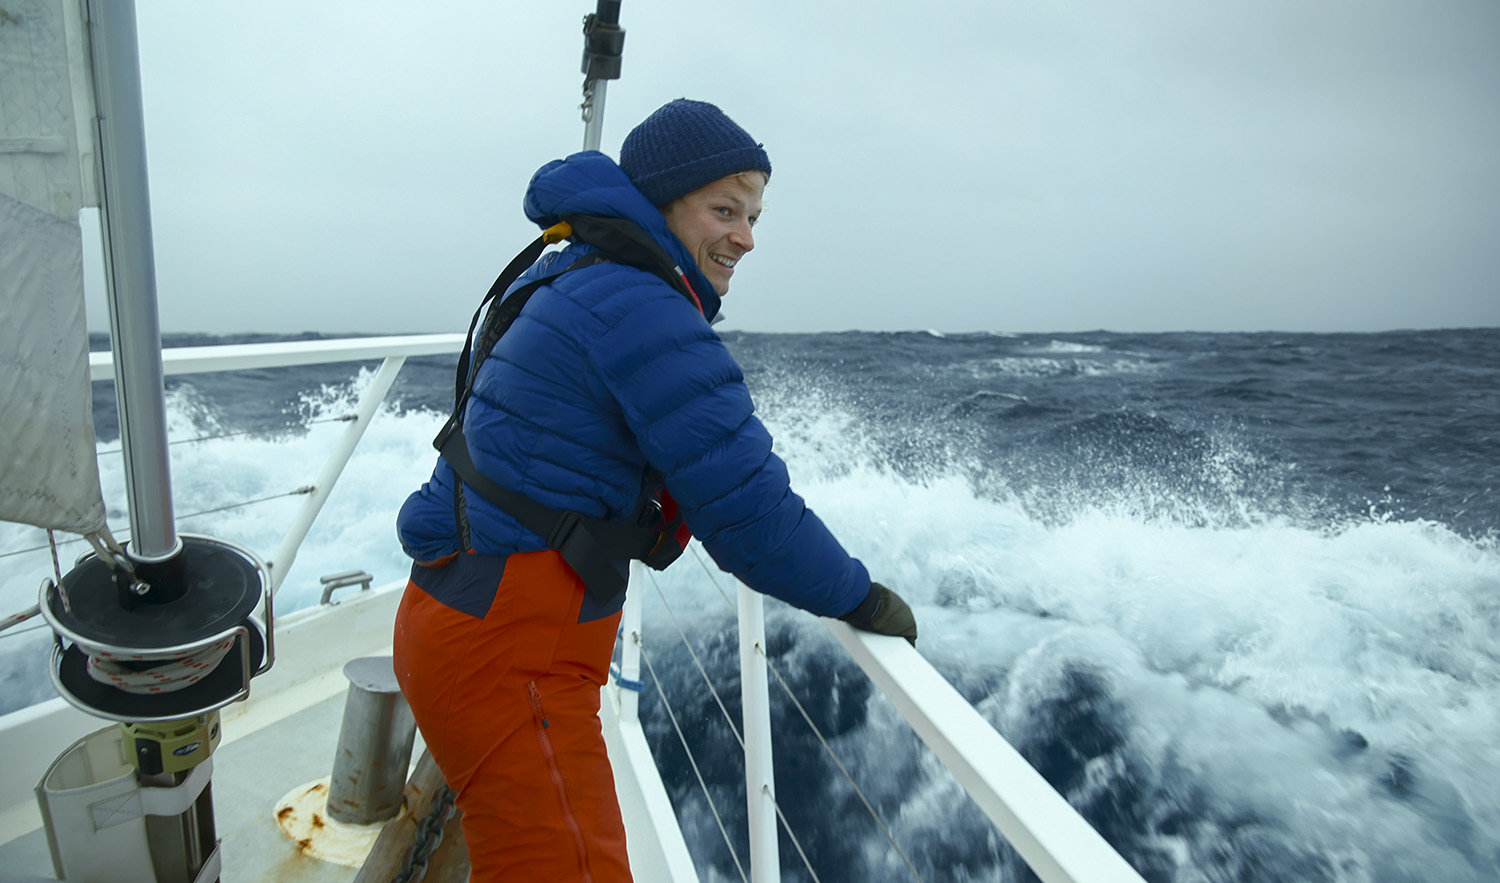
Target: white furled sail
x,y
49,474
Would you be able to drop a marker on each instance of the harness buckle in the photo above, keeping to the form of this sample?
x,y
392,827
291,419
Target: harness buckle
x,y
650,514
563,529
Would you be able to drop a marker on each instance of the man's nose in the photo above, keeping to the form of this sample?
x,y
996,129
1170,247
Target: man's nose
x,y
743,236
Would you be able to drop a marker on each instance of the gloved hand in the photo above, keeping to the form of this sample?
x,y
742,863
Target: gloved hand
x,y
884,613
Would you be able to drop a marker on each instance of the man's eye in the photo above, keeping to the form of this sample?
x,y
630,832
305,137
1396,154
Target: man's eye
x,y
724,210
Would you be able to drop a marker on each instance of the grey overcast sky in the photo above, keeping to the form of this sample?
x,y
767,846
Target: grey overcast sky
x,y
976,165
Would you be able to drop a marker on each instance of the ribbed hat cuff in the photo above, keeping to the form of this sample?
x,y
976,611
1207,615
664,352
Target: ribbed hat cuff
x,y
668,184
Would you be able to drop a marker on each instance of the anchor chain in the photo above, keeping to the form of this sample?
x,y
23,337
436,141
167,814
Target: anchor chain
x,y
429,835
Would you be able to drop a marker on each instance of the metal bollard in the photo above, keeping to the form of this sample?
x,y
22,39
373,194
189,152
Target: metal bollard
x,y
375,742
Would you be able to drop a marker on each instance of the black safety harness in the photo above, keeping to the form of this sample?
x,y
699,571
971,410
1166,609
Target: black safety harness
x,y
591,546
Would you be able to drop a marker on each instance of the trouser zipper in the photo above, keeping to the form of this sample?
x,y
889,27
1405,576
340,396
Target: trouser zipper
x,y
550,753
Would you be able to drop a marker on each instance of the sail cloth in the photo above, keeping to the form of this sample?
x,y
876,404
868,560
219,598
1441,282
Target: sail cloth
x,y
49,474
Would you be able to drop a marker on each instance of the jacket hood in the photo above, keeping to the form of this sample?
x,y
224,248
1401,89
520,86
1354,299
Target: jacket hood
x,y
590,183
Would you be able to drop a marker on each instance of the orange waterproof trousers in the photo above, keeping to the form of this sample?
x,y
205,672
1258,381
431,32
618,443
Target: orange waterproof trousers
x,y
508,706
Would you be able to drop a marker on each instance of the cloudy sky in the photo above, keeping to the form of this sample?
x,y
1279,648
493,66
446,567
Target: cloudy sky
x,y
976,165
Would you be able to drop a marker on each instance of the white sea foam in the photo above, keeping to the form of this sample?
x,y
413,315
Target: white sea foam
x,y
1289,674
1045,364
1069,346
1063,358
1254,655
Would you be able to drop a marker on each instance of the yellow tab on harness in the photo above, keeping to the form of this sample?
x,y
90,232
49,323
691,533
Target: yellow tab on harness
x,y
557,232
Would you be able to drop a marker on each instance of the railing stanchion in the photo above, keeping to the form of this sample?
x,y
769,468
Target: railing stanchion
x,y
286,553
755,702
630,646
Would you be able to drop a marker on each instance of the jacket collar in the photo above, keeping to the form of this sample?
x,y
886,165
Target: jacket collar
x,y
590,183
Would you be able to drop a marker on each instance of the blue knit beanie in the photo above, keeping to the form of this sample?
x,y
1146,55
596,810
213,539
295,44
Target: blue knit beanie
x,y
685,145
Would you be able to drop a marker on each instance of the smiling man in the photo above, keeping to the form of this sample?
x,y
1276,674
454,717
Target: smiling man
x,y
610,398
715,222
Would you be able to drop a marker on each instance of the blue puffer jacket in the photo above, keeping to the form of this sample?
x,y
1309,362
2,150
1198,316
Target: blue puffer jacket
x,y
608,370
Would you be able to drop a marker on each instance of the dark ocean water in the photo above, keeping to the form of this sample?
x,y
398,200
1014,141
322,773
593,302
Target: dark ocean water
x,y
1236,595
1320,428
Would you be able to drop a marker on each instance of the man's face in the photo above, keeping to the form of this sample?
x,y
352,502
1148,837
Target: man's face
x,y
714,222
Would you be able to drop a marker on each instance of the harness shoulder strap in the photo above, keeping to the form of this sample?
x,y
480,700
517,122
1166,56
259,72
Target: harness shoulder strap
x,y
589,545
510,274
502,314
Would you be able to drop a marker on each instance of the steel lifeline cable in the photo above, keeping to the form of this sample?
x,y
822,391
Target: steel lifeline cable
x,y
807,718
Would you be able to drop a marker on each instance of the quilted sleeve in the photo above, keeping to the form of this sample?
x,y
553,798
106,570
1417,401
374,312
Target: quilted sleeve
x,y
684,397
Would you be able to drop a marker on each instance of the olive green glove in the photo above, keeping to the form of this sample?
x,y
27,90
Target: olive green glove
x,y
884,613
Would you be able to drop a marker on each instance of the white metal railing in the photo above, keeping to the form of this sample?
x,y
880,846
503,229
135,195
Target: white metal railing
x,y
393,351
1058,844
755,705
240,357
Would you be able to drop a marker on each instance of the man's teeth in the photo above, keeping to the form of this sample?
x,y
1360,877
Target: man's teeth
x,y
723,261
